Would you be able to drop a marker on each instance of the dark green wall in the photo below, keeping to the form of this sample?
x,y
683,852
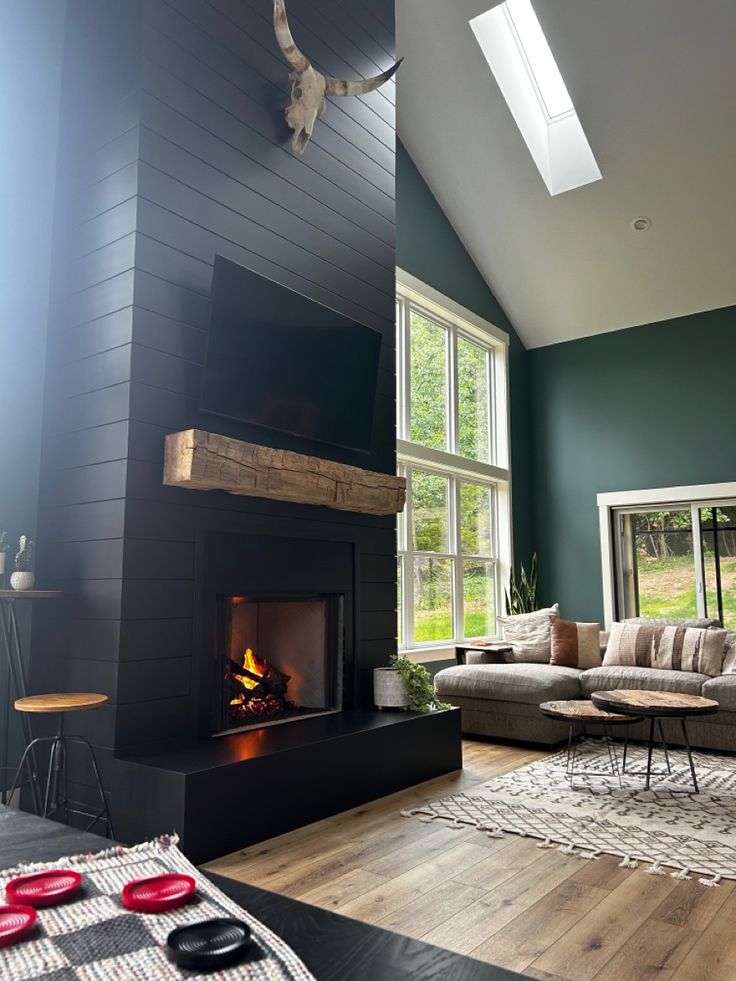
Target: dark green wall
x,y
428,248
650,406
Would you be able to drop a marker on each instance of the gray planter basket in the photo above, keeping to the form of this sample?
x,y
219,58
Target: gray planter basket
x,y
389,690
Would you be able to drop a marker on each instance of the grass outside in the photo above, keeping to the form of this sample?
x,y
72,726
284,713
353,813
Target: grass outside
x,y
431,625
667,589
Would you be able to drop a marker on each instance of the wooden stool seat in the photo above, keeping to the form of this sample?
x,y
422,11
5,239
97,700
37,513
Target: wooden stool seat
x,y
75,701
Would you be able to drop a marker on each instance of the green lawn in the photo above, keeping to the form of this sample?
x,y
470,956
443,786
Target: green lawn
x,y
667,589
431,626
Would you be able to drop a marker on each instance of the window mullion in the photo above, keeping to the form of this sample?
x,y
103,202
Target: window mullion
x,y
452,391
699,560
406,368
457,592
408,570
491,408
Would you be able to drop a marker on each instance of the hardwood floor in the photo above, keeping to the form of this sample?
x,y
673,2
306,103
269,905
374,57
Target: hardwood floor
x,y
544,914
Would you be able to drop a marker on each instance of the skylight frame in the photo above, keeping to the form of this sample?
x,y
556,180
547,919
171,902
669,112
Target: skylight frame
x,y
523,64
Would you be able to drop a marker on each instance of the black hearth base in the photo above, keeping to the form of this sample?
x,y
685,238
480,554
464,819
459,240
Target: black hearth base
x,y
233,791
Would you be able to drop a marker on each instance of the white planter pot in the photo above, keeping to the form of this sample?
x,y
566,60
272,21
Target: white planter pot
x,y
389,690
22,580
2,563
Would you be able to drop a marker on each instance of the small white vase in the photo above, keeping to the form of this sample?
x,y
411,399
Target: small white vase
x,y
389,690
21,581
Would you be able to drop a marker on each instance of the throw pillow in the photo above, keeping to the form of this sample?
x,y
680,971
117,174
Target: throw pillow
x,y
654,645
529,635
729,654
575,645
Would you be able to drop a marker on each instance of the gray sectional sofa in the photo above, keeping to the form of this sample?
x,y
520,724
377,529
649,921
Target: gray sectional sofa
x,y
502,700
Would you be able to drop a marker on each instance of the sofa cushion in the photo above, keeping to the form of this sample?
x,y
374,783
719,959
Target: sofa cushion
x,y
654,645
608,677
528,634
530,683
723,689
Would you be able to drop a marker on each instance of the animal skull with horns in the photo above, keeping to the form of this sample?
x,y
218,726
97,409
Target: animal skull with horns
x,y
309,87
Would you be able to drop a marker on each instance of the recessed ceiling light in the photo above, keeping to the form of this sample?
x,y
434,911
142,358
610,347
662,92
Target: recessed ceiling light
x,y
519,55
641,224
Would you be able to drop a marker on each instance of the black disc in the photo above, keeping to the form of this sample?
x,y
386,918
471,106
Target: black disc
x,y
210,944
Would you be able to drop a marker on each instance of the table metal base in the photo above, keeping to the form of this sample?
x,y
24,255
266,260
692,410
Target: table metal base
x,y
656,720
574,739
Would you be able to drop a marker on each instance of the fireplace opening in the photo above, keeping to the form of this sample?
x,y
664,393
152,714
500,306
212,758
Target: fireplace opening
x,y
278,659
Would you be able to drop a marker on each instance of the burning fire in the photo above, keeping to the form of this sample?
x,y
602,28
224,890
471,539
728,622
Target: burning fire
x,y
267,684
252,664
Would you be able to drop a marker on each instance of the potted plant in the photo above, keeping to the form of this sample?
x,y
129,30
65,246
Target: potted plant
x,y
521,597
4,546
23,578
405,685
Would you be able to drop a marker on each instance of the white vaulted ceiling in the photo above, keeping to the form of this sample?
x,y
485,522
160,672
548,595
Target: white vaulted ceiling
x,y
654,85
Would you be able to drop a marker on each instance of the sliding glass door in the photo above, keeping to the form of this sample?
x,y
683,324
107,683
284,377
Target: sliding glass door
x,y
677,562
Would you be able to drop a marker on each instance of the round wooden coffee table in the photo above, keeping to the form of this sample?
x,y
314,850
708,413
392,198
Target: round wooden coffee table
x,y
581,712
656,706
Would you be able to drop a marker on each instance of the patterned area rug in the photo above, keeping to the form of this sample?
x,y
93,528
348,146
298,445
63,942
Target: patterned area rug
x,y
667,826
94,938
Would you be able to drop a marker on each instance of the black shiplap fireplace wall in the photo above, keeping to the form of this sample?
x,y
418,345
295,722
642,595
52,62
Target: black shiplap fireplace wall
x,y
174,148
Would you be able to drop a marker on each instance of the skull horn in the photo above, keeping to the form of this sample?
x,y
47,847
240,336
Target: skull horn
x,y
293,55
337,86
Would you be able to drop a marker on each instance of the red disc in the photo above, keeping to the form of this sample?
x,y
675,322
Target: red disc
x,y
44,888
15,923
159,893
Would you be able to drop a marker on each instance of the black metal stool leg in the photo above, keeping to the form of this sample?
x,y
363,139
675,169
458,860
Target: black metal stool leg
x,y
28,754
104,812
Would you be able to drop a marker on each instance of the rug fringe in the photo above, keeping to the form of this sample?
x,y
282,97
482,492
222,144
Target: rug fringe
x,y
591,856
715,881
547,843
567,849
682,874
656,869
628,862
163,841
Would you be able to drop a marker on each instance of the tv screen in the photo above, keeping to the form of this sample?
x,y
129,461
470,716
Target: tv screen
x,y
278,359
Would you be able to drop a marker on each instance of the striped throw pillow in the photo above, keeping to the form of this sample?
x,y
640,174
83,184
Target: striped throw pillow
x,y
575,645
652,645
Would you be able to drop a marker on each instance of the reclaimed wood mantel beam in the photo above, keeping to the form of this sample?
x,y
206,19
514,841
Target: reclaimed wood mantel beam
x,y
205,461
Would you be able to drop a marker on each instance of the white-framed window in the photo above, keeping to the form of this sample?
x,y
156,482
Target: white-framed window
x,y
670,552
454,536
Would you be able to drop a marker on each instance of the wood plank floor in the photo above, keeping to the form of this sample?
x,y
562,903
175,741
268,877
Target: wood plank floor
x,y
505,901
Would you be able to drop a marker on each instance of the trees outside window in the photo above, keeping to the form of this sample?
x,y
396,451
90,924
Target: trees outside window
x,y
679,562
454,538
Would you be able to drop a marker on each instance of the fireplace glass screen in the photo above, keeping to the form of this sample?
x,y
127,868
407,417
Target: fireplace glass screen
x,y
279,659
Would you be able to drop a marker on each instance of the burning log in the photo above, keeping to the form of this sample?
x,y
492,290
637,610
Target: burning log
x,y
255,671
256,688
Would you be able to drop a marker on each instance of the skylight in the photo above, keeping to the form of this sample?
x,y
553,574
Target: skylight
x,y
514,45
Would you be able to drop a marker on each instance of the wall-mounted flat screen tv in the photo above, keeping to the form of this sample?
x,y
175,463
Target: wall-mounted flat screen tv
x,y
278,359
